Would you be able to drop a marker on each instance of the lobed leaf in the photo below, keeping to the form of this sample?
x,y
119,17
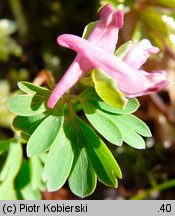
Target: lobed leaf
x,y
99,155
91,97
28,87
130,127
45,134
107,89
102,124
28,124
58,163
7,191
23,184
27,105
12,163
82,179
36,171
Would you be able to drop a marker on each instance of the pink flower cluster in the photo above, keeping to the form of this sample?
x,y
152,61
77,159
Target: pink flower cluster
x,y
98,52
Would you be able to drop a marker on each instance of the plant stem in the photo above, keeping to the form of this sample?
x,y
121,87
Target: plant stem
x,y
159,188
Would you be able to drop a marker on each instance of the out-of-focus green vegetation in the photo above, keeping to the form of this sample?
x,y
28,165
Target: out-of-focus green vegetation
x,y
28,51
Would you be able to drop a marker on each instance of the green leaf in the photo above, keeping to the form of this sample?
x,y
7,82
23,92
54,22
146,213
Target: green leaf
x,y
99,155
23,184
7,191
4,145
59,162
91,97
27,105
28,87
123,49
12,163
131,106
82,179
102,124
89,94
130,127
88,29
107,89
36,168
28,124
46,133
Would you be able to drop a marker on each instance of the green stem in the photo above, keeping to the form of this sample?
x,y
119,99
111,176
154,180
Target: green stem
x,y
17,10
159,188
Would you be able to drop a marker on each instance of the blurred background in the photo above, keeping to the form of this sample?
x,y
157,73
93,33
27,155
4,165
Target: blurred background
x,y
28,51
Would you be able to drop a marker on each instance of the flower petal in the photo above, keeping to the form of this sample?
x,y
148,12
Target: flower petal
x,y
72,75
139,53
130,81
105,33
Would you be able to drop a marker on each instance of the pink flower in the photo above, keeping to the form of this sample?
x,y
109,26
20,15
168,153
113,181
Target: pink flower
x,y
104,31
97,52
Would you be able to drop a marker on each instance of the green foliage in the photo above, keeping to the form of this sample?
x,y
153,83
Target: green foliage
x,y
75,151
19,179
62,147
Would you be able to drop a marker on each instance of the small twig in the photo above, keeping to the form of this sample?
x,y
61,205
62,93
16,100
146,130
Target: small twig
x,y
147,193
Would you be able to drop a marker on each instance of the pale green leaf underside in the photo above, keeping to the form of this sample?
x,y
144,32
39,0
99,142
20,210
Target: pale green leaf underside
x,y
26,105
82,179
130,127
99,155
12,163
107,89
59,162
102,124
46,133
36,168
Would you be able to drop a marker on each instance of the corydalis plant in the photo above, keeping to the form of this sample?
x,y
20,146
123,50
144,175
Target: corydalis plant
x,y
49,122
